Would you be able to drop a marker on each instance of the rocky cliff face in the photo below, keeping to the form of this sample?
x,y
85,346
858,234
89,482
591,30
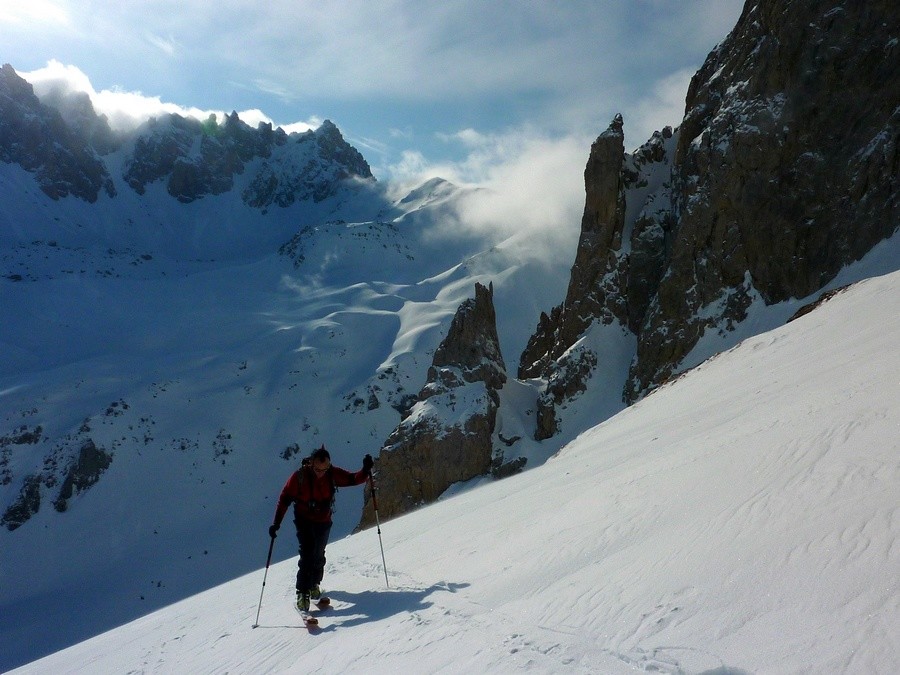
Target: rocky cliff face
x,y
625,231
313,166
197,159
63,141
194,158
36,137
784,170
446,438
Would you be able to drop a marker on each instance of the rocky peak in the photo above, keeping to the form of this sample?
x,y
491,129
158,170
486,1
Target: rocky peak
x,y
784,170
333,148
35,136
596,272
472,346
313,165
446,438
77,111
598,276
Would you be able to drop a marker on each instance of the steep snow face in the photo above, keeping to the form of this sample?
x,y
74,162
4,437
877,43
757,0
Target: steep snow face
x,y
741,519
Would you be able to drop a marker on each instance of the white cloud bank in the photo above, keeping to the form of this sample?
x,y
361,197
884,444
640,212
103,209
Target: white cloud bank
x,y
127,110
531,189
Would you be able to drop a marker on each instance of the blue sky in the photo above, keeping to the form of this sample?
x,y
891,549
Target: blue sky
x,y
460,88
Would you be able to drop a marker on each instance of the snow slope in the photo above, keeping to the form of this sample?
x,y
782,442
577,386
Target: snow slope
x,y
744,518
175,337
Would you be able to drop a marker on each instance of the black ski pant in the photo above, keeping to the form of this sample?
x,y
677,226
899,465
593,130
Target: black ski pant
x,y
313,538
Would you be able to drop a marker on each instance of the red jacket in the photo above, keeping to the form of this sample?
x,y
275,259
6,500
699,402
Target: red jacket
x,y
313,495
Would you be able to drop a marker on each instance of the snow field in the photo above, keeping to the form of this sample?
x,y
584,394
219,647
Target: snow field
x,y
742,519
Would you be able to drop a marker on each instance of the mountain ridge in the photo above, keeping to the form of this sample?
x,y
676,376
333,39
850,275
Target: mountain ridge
x,y
193,158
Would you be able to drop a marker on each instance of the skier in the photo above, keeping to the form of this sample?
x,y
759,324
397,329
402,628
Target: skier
x,y
311,488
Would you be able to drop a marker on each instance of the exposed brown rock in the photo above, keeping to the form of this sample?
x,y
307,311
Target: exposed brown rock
x,y
447,436
784,170
786,167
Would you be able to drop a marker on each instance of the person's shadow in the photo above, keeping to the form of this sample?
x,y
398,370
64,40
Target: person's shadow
x,y
359,608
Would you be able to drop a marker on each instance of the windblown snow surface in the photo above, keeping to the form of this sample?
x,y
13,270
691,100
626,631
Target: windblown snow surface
x,y
744,518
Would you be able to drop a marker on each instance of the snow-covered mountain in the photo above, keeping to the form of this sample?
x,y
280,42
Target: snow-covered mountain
x,y
742,519
189,308
165,361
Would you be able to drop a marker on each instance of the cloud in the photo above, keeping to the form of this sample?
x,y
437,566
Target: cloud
x,y
55,73
414,51
531,192
662,106
535,187
398,64
294,127
168,46
33,13
126,110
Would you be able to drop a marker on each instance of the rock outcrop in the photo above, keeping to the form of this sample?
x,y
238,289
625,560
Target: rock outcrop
x,y
446,438
82,469
618,264
84,472
784,170
593,295
595,279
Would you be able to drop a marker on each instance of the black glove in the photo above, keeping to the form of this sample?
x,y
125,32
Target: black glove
x,y
368,462
273,529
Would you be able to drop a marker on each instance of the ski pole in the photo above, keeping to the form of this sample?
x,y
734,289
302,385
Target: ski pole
x,y
378,527
268,560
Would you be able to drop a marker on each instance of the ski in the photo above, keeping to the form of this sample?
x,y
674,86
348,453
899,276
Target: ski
x,y
309,620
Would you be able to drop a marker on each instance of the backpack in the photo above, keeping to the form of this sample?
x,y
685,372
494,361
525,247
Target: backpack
x,y
318,506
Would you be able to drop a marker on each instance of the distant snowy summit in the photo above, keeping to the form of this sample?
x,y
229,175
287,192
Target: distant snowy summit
x,y
196,159
70,149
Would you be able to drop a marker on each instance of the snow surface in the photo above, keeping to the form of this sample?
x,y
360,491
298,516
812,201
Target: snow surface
x,y
744,518
175,337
